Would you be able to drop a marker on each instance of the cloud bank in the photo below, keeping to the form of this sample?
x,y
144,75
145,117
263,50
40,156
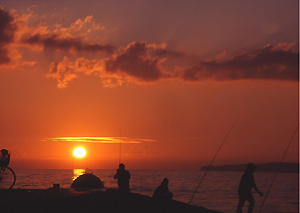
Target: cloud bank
x,y
16,33
138,62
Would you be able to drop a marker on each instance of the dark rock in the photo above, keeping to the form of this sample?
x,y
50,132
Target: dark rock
x,y
87,181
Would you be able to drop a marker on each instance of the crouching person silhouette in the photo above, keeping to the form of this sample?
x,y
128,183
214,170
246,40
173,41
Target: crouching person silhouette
x,y
123,177
162,191
246,184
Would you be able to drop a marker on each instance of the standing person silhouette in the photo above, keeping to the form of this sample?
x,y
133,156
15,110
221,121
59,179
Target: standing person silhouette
x,y
246,184
123,177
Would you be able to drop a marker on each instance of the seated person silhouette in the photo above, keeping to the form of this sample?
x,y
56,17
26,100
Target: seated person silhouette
x,y
162,191
246,184
123,177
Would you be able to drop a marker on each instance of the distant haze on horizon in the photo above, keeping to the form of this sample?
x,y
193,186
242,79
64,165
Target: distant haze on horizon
x,y
153,84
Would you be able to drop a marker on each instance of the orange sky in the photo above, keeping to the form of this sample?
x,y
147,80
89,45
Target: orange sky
x,y
168,81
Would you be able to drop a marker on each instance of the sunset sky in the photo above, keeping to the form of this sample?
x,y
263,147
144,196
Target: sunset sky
x,y
166,79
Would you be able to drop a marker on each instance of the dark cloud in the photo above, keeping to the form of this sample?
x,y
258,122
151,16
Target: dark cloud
x,y
7,30
271,62
65,44
7,26
136,61
168,53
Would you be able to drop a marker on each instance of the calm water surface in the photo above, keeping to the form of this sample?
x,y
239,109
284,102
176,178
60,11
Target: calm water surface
x,y
218,190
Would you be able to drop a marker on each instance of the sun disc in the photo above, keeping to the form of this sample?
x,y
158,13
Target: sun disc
x,y
79,152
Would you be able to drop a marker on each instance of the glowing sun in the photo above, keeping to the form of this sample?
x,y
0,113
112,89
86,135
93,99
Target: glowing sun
x,y
79,152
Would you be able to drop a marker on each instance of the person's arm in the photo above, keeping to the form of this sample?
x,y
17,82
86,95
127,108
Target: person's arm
x,y
255,188
116,175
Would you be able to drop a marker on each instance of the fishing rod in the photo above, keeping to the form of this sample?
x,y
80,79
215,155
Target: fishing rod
x,y
120,148
211,162
278,168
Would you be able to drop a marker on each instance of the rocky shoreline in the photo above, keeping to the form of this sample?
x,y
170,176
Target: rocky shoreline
x,y
72,201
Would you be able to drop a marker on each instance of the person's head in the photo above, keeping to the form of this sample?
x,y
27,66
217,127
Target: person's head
x,y
121,166
4,152
165,181
250,167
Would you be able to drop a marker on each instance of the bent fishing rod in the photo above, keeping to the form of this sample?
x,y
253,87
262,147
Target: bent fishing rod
x,y
211,162
278,168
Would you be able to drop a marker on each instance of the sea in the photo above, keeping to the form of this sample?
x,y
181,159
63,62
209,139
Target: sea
x,y
217,191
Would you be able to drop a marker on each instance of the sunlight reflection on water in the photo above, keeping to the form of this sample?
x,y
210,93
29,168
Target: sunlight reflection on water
x,y
77,173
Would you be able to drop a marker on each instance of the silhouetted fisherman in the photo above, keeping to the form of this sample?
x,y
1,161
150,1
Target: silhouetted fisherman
x,y
246,184
162,191
123,177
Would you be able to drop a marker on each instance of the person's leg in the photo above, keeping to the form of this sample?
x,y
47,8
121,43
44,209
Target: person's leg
x,y
240,204
251,201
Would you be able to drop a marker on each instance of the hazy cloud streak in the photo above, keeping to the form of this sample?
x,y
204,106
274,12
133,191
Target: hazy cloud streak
x,y
109,140
64,44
